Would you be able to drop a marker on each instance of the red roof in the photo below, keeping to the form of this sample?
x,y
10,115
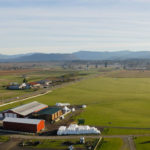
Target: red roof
x,y
33,83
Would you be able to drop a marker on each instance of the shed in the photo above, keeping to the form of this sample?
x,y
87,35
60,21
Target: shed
x,y
65,110
35,84
50,113
25,125
13,87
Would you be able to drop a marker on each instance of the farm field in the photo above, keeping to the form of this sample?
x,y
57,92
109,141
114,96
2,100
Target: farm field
x,y
142,143
110,101
31,74
118,131
111,144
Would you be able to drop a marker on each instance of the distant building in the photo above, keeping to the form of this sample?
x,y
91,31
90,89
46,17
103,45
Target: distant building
x,y
35,84
45,82
18,86
13,87
25,125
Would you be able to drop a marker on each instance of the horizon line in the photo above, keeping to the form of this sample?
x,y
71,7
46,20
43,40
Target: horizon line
x,y
112,51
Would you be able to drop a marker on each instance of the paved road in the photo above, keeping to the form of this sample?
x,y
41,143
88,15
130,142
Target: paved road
x,y
125,145
25,99
71,136
52,137
131,143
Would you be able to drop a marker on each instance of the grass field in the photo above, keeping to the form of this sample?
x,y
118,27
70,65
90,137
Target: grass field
x,y
142,143
115,131
6,77
110,101
111,144
62,144
4,138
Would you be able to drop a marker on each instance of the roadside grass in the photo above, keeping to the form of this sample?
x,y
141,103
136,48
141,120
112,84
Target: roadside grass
x,y
117,131
142,143
4,138
60,144
111,144
110,101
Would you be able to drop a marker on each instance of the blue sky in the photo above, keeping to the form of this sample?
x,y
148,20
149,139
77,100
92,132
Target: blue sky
x,y
65,26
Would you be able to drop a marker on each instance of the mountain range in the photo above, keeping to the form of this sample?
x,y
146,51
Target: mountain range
x,y
81,55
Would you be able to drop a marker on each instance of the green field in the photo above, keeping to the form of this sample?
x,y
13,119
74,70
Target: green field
x,y
111,144
4,138
142,143
61,144
118,131
32,75
110,101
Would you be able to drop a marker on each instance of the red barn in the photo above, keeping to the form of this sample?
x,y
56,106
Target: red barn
x,y
25,125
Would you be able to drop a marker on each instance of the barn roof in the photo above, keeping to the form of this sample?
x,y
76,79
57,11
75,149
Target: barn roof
x,y
21,120
29,108
49,110
33,83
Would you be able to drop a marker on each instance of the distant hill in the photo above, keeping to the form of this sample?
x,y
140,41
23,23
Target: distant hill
x,y
117,55
40,57
81,55
3,57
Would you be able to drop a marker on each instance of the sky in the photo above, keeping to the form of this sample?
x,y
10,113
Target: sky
x,y
66,26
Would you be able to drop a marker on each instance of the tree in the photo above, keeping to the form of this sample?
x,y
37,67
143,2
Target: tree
x,y
81,121
96,65
106,64
25,80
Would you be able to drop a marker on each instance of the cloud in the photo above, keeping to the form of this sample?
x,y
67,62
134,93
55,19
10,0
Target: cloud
x,y
64,25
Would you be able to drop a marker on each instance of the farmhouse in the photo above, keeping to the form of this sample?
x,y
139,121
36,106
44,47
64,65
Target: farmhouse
x,y
44,82
18,86
35,84
24,110
50,113
25,125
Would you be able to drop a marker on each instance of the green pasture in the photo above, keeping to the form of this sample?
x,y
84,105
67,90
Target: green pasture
x,y
142,143
31,76
111,144
110,101
4,138
5,80
118,131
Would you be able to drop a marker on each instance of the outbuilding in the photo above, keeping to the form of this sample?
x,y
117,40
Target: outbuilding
x,y
49,114
24,125
35,85
24,110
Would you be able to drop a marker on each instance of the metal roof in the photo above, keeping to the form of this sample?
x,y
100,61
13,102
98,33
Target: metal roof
x,y
29,108
21,120
49,110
